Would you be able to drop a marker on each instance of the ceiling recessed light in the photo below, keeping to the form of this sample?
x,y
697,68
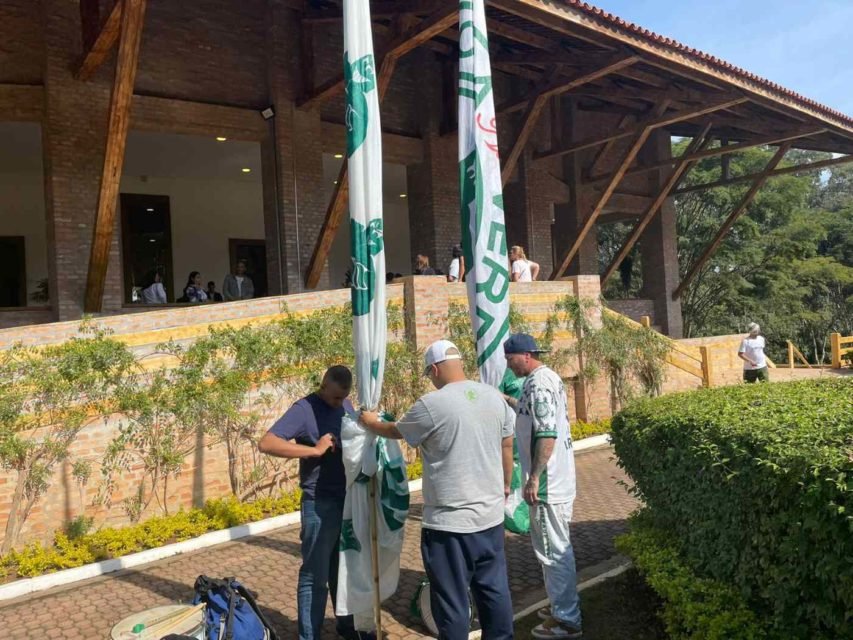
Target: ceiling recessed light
x,y
150,209
402,195
335,182
221,138
152,240
246,170
339,156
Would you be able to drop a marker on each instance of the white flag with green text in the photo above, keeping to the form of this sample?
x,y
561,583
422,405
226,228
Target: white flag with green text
x,y
367,247
483,228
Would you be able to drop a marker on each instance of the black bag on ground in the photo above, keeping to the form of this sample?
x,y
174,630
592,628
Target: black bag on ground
x,y
231,612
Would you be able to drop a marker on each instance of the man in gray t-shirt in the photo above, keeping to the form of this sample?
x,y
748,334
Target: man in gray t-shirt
x,y
465,432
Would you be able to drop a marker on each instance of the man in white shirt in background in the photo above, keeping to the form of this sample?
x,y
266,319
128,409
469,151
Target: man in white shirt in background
x,y
751,351
237,285
464,431
548,468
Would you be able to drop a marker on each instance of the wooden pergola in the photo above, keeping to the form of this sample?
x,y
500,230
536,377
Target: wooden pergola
x,y
547,49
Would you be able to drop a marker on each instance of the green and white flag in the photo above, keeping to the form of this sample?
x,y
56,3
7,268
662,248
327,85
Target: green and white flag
x,y
483,228
367,459
367,247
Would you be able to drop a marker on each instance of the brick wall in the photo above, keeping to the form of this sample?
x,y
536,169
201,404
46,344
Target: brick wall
x,y
634,308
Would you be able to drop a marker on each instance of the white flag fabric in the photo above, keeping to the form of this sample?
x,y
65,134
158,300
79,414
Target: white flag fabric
x,y
367,457
367,245
483,228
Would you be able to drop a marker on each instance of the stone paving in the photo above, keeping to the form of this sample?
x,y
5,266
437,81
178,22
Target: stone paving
x,y
269,563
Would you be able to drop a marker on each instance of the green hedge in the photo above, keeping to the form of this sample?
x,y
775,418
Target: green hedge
x,y
754,483
694,607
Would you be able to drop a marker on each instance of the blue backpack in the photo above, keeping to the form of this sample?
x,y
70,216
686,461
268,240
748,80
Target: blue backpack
x,y
231,612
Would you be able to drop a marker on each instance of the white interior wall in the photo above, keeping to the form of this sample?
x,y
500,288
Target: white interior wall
x,y
204,214
22,205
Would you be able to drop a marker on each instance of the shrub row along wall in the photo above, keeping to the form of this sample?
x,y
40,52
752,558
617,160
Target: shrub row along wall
x,y
755,483
425,302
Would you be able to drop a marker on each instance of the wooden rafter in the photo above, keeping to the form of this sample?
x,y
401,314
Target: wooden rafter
x,y
425,30
524,36
710,153
653,122
338,204
605,150
811,166
100,43
378,9
132,17
540,100
627,159
760,179
563,85
672,181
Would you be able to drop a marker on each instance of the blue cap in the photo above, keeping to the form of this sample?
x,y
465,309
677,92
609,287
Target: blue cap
x,y
521,343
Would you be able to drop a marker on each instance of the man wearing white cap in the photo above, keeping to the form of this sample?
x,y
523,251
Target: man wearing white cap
x,y
752,353
465,431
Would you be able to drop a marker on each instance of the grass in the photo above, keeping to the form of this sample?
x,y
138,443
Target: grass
x,y
622,608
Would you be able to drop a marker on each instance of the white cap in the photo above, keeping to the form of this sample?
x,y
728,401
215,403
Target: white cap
x,y
436,353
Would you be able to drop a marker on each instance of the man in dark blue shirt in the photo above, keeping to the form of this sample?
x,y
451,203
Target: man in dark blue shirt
x,y
311,432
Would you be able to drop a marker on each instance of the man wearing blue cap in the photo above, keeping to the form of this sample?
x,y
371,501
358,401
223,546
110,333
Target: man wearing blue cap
x,y
548,464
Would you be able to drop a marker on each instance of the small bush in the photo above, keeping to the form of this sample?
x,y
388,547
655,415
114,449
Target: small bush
x,y
68,552
754,483
694,607
581,429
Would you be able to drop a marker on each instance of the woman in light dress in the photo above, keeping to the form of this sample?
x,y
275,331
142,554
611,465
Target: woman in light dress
x,y
522,269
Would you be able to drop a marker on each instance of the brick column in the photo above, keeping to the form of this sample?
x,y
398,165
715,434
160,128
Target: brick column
x,y
433,185
294,155
570,216
659,247
74,142
426,307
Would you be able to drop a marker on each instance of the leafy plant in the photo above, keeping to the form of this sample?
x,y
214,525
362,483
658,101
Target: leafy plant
x,y
47,396
694,606
754,486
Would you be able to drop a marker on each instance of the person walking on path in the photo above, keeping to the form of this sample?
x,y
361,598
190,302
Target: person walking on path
x,y
751,351
548,465
464,430
310,431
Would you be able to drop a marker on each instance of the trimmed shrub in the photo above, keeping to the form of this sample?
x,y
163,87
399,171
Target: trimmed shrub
x,y
754,484
694,607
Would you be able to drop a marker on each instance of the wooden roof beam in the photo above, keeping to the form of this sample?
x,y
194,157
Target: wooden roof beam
x,y
98,42
653,123
612,64
710,153
639,140
538,103
811,166
132,17
675,176
424,31
729,222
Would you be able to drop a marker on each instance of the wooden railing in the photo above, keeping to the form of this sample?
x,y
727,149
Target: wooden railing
x,y
794,352
840,346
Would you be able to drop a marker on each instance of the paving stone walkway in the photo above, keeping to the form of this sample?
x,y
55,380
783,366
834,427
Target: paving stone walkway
x,y
269,564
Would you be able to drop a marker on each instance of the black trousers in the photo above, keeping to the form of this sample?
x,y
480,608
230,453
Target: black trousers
x,y
456,561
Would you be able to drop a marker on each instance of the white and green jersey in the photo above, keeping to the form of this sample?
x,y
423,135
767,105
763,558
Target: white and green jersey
x,y
542,413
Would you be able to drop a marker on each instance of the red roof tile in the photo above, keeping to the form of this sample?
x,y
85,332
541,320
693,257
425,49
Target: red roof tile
x,y
704,57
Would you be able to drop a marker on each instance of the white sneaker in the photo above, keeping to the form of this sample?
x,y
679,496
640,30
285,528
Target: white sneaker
x,y
553,629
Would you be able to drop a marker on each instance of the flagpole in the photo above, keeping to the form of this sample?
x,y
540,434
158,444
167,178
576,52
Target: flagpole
x,y
374,552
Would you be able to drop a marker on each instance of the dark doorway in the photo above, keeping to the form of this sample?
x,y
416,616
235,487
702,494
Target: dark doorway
x,y
13,272
146,241
254,252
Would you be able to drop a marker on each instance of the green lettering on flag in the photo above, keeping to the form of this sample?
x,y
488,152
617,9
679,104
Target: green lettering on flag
x,y
364,244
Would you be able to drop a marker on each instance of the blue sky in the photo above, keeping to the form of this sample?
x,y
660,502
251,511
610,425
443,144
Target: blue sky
x,y
804,45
